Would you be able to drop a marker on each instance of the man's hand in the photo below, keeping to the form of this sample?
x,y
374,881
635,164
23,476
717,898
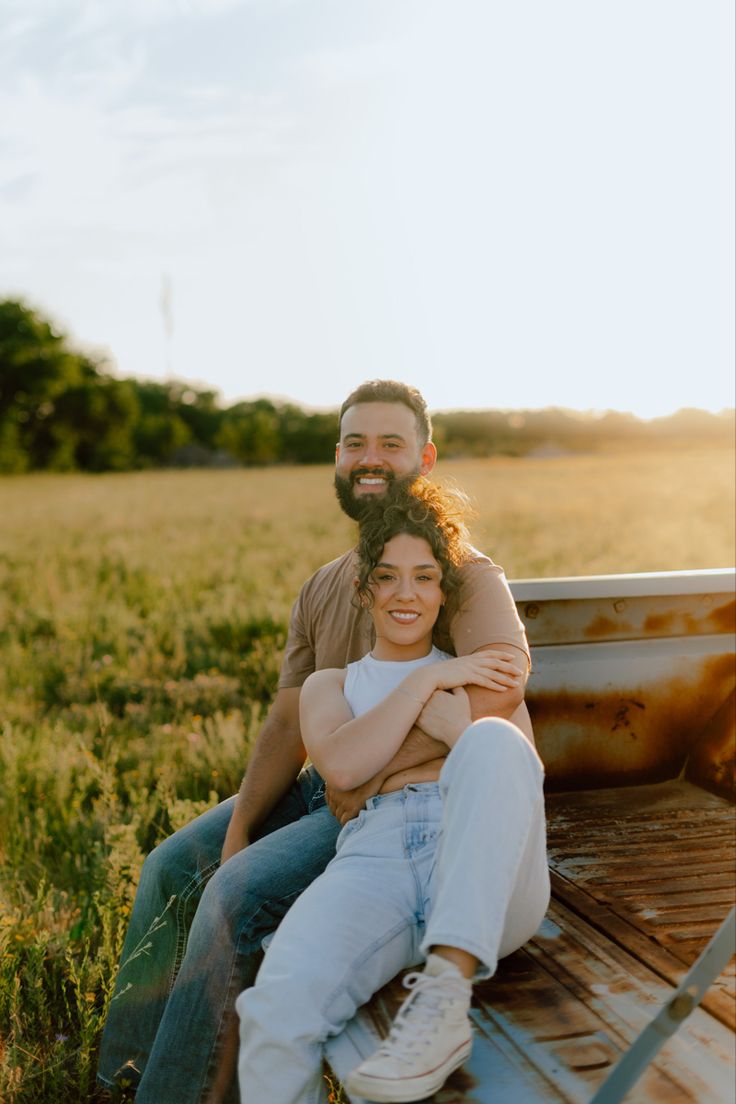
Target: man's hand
x,y
446,715
233,844
346,804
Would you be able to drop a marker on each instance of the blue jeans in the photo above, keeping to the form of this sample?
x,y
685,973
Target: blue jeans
x,y
461,862
194,940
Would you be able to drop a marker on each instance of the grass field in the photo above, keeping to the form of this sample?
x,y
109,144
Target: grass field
x,y
141,622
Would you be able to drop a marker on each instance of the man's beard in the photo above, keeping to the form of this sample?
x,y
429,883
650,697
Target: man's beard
x,y
358,508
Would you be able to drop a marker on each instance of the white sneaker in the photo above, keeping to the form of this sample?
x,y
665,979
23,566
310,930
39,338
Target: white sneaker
x,y
430,1037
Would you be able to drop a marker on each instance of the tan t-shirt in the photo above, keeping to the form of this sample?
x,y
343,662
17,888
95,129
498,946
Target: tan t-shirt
x,y
327,629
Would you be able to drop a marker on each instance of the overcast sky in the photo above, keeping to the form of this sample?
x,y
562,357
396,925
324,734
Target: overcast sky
x,y
512,204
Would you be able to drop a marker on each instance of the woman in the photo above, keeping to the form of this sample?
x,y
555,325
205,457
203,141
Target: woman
x,y
450,867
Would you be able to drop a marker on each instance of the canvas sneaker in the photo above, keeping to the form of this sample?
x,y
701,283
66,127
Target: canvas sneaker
x,y
430,1037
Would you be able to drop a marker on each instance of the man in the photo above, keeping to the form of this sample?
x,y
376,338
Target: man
x,y
230,876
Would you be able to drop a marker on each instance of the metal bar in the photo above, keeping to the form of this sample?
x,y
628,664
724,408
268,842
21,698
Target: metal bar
x,y
686,997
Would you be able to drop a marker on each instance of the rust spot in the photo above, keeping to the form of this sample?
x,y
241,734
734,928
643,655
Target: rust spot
x,y
657,624
532,610
619,605
603,626
723,618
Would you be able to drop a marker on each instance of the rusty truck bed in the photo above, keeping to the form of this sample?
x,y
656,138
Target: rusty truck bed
x,y
632,699
642,876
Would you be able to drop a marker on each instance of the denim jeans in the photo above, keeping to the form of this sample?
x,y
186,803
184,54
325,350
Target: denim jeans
x,y
194,940
461,862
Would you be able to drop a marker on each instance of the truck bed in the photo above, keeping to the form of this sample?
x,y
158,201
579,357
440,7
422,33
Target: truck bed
x,y
642,876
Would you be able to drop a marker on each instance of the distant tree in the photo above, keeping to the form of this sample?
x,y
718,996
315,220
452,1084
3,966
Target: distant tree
x,y
307,438
58,410
251,432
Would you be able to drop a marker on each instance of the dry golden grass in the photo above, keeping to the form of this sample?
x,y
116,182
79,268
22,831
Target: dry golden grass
x,y
603,513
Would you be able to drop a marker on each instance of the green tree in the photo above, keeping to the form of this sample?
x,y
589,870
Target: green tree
x,y
251,432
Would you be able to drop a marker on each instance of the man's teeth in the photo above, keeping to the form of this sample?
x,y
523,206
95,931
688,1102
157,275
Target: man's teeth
x,y
371,481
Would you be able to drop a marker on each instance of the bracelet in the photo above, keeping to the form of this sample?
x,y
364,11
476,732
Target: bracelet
x,y
412,698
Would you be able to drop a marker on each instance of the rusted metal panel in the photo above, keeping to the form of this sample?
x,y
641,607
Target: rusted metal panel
x,y
628,673
627,607
619,714
712,761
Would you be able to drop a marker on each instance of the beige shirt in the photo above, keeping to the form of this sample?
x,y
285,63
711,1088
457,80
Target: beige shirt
x,y
328,629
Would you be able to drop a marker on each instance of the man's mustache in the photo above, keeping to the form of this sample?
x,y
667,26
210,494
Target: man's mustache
x,y
360,472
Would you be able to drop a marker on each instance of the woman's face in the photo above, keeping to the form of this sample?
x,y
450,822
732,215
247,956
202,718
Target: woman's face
x,y
407,595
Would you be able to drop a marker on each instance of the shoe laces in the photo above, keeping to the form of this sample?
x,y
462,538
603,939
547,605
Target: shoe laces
x,y
431,995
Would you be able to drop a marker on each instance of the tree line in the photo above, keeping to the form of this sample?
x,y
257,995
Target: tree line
x,y
63,410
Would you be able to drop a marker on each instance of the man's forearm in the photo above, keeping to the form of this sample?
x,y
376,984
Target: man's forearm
x,y
416,749
509,705
275,761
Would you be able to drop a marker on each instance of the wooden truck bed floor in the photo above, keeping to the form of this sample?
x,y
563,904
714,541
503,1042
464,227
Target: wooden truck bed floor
x,y
642,877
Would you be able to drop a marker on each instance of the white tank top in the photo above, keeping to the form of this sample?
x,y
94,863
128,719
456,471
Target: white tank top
x,y
370,680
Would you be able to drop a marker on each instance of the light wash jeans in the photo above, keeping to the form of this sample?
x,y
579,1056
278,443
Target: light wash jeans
x,y
177,993
461,862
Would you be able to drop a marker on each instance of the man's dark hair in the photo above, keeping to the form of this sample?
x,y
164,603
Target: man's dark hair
x,y
391,391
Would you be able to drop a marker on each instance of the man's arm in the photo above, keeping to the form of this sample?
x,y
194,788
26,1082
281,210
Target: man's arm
x,y
421,746
276,759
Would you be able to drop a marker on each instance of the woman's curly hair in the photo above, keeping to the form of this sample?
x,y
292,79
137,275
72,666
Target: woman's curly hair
x,y
435,514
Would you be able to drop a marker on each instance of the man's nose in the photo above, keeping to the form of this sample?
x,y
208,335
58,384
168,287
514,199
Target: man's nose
x,y
371,455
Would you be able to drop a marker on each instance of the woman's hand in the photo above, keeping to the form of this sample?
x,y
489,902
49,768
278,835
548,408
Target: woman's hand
x,y
490,669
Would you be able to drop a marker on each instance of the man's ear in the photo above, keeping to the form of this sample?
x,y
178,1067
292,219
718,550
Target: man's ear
x,y
428,458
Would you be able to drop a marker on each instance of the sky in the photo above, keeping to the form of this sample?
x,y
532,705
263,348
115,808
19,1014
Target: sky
x,y
507,203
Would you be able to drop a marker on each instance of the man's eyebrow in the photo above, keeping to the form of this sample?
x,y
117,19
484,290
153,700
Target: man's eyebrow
x,y
381,436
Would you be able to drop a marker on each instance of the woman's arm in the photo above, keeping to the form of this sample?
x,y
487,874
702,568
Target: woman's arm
x,y
348,750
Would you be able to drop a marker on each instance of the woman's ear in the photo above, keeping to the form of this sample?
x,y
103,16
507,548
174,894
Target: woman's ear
x,y
362,598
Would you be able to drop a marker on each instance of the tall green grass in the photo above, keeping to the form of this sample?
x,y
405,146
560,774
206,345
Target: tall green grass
x,y
142,619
